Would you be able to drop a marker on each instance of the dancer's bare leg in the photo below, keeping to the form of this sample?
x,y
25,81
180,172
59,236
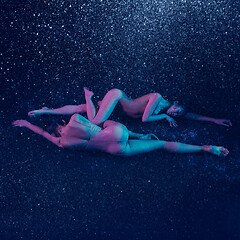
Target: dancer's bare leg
x,y
152,103
91,110
134,147
148,104
108,104
142,146
144,105
138,105
65,110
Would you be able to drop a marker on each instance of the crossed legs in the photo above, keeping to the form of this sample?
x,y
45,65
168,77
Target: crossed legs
x,y
108,104
144,105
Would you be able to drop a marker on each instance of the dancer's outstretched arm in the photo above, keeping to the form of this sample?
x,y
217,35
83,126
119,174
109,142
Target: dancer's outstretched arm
x,y
38,130
65,110
194,116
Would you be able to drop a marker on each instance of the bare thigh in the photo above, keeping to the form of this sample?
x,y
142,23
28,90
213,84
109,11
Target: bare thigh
x,y
112,139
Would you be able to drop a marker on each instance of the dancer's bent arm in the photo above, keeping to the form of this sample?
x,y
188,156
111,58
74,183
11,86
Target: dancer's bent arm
x,y
38,130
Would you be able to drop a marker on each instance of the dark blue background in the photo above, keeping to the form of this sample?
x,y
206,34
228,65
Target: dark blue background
x,y
187,51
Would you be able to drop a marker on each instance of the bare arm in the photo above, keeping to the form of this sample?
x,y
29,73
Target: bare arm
x,y
66,110
194,116
38,130
171,121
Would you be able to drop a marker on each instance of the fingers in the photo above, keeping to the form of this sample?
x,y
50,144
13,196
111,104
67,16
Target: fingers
x,y
19,123
173,124
15,123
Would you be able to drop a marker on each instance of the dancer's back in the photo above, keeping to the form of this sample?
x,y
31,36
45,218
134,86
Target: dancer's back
x,y
78,132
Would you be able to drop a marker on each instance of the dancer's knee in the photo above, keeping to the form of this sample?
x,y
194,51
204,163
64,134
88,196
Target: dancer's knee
x,y
116,93
155,97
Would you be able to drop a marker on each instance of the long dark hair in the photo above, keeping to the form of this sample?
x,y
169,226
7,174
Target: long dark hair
x,y
52,128
184,109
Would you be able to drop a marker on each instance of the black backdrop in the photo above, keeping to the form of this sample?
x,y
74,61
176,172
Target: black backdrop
x,y
187,51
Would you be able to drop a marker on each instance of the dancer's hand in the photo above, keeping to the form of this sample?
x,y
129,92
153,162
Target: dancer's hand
x,y
35,113
148,136
171,121
223,122
20,123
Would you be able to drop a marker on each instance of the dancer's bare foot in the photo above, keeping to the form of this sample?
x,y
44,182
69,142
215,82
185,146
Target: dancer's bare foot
x,y
216,150
88,93
35,113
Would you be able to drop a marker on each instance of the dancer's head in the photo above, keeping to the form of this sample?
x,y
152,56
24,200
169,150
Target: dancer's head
x,y
60,127
56,127
176,110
